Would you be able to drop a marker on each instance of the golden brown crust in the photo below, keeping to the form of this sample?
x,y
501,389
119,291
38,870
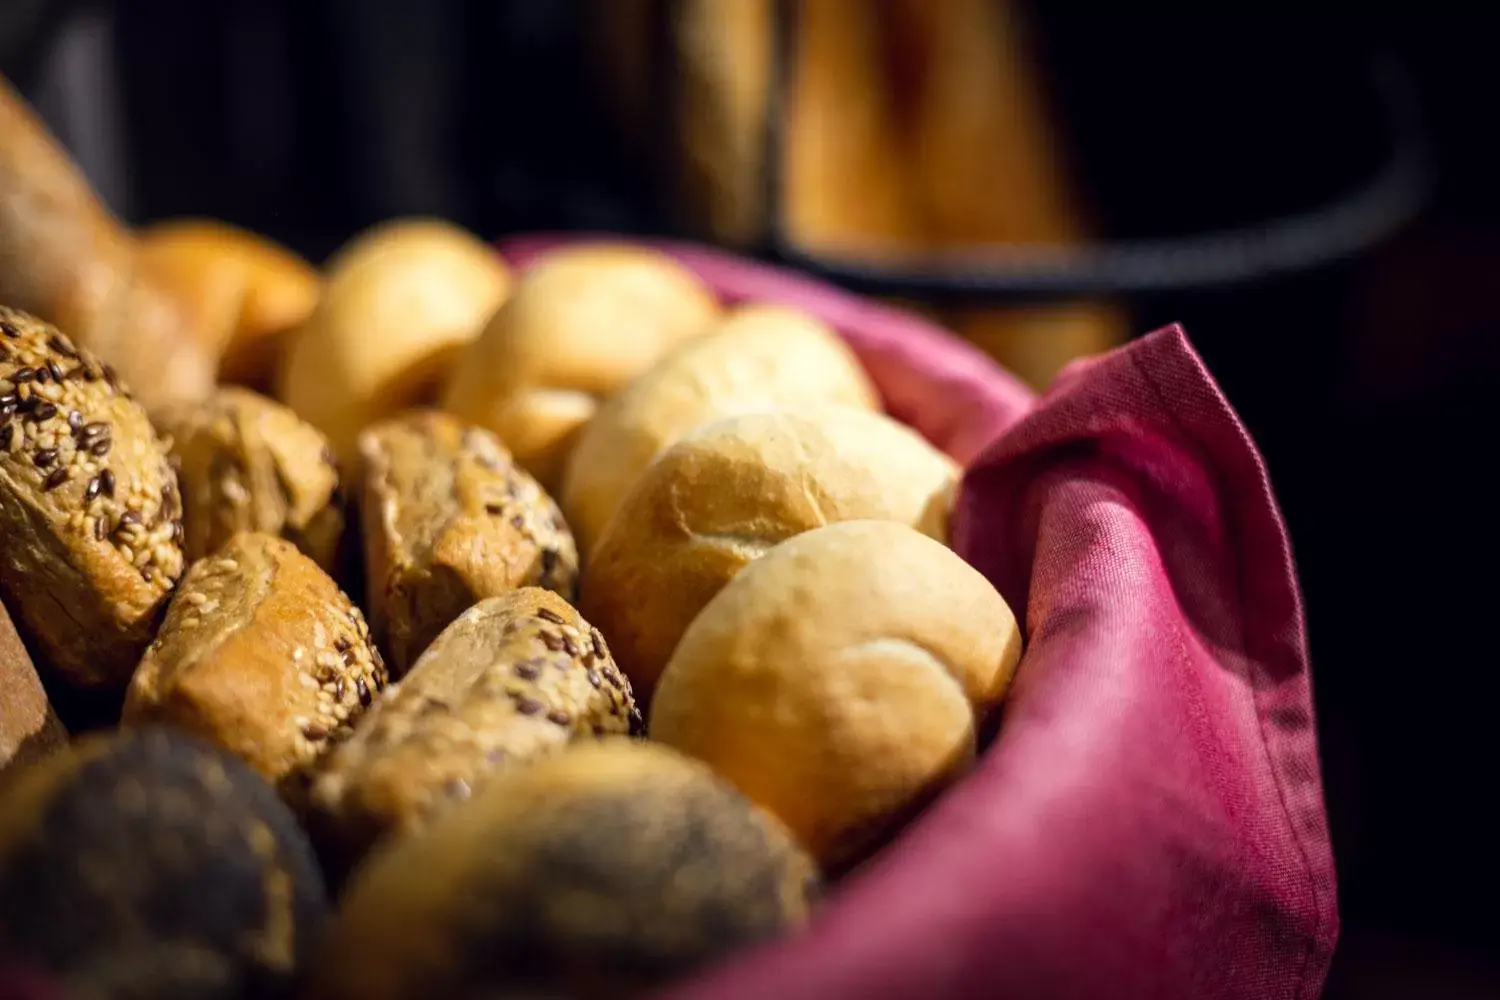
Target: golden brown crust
x,y
68,260
729,491
247,463
89,509
839,680
29,729
513,679
449,520
260,654
599,872
581,323
759,357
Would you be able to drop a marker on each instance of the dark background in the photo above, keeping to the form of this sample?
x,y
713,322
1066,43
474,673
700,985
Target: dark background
x,y
1368,384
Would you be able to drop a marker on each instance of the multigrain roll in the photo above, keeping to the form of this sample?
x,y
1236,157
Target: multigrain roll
x,y
29,728
260,654
90,516
144,864
400,302
242,291
247,463
729,491
513,679
840,679
760,357
581,323
449,519
600,872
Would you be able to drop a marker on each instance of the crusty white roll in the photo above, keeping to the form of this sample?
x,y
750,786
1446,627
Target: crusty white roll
x,y
840,679
400,301
582,322
729,491
759,357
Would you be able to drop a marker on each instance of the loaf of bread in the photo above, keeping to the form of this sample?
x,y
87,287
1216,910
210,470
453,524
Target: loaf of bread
x,y
66,259
145,864
760,357
247,463
600,872
90,517
242,292
262,655
29,728
581,323
400,302
729,491
840,679
514,678
449,519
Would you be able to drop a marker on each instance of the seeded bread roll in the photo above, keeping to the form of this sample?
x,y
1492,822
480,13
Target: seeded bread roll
x,y
730,490
760,357
600,872
90,517
401,301
580,324
260,654
242,291
246,463
514,678
839,680
144,864
448,521
29,729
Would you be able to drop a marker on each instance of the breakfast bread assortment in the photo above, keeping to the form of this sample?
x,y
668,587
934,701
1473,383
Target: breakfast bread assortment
x,y
399,303
144,864
66,259
247,463
90,516
29,728
760,357
514,678
840,680
260,654
243,292
731,490
449,519
600,872
580,324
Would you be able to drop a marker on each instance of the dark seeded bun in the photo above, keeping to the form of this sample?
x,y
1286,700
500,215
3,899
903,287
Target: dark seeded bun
x,y
600,872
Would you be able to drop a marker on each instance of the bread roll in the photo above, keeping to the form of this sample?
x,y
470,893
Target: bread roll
x,y
242,292
760,357
29,729
400,302
66,259
144,864
514,678
90,517
601,872
839,680
260,654
728,492
448,521
582,323
246,463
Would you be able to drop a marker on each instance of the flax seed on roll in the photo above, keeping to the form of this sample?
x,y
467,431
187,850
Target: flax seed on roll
x,y
759,357
598,873
260,654
840,679
726,493
581,323
400,302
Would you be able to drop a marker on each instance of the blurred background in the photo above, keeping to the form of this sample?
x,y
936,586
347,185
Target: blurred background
x,y
1314,197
